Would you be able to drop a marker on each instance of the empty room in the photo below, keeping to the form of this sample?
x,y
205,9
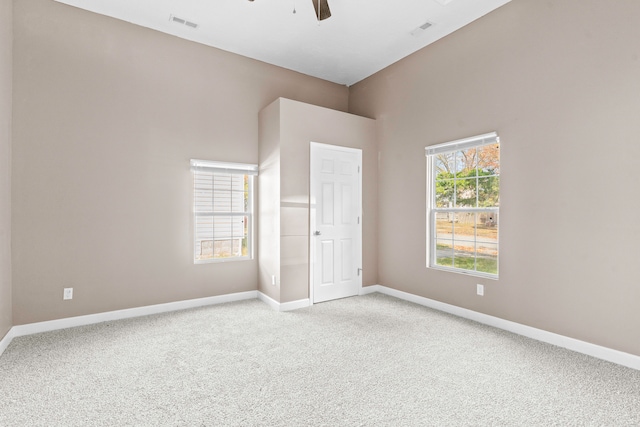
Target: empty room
x,y
319,213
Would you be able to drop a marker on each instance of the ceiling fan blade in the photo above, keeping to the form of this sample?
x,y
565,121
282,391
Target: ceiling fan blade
x,y
322,9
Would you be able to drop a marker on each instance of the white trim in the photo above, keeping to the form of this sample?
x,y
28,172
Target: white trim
x,y
366,290
224,167
89,319
4,342
597,351
285,306
462,144
294,305
269,301
473,273
335,147
600,352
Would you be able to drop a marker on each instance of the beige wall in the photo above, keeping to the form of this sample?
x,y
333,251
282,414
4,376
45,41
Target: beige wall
x,y
560,82
299,124
106,118
6,52
269,201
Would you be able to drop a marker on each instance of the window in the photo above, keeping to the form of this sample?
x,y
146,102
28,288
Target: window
x,y
223,210
463,186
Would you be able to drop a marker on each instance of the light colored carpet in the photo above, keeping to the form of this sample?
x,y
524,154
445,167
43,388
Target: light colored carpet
x,y
364,361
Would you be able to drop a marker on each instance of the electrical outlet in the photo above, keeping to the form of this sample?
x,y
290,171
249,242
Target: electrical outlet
x,y
67,294
273,279
480,289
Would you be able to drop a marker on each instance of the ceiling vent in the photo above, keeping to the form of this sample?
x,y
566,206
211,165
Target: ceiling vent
x,y
181,21
421,29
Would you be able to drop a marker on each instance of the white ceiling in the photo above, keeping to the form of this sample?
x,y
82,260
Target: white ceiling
x,y
361,37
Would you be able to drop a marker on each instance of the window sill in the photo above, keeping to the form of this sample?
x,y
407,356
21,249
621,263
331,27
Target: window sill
x,y
465,272
222,260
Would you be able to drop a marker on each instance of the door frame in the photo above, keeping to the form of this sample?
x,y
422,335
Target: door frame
x,y
312,213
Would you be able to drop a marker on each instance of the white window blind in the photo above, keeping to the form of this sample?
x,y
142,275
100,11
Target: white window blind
x,y
224,167
223,210
462,144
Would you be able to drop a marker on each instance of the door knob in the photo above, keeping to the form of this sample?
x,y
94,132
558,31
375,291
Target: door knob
x,y
316,233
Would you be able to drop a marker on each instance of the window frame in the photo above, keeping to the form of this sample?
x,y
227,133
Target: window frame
x,y
224,168
432,210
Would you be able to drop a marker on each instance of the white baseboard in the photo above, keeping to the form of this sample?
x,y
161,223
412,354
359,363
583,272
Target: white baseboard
x,y
6,340
89,319
269,301
365,290
600,352
70,322
294,305
285,306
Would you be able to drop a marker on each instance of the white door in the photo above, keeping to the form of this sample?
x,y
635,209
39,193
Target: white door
x,y
336,231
